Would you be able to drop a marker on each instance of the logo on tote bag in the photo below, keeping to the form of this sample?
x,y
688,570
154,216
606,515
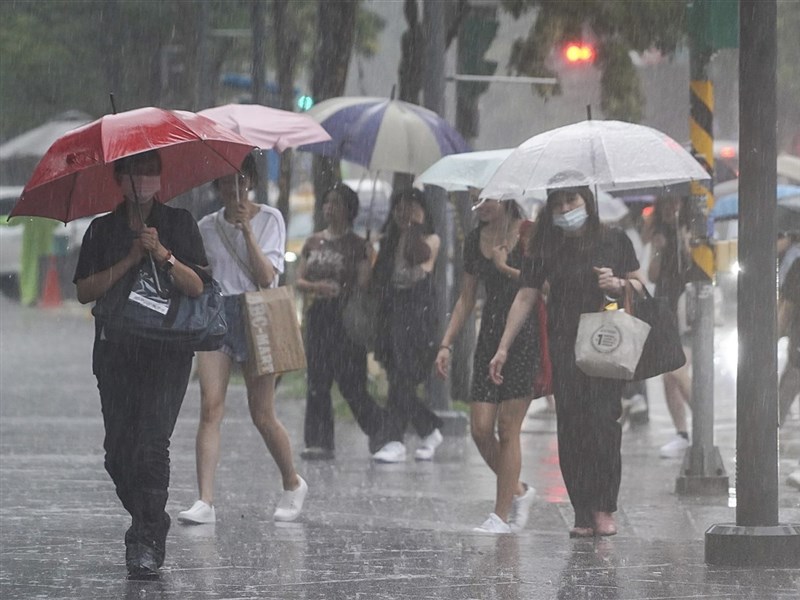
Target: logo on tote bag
x,y
606,338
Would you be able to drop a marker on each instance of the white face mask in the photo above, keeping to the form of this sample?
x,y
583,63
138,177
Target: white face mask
x,y
572,220
146,186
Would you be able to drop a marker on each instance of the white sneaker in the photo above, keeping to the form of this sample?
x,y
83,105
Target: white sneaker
x,y
291,503
493,524
794,479
429,445
675,448
200,514
393,452
521,508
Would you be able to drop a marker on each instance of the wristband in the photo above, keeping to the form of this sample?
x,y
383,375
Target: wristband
x,y
448,348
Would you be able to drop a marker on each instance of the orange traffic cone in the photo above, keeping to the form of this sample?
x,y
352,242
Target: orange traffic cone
x,y
51,295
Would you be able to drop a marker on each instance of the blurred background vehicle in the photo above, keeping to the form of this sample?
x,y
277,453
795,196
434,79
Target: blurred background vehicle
x,y
66,243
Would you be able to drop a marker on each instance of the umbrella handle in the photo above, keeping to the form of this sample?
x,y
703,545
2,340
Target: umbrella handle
x,y
161,291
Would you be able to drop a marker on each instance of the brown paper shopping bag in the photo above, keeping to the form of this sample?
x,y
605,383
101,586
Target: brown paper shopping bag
x,y
273,332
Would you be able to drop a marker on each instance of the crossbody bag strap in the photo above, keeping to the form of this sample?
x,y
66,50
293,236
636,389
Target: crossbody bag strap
x,y
226,241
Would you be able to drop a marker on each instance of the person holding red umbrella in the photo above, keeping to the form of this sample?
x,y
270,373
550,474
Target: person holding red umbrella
x,y
141,382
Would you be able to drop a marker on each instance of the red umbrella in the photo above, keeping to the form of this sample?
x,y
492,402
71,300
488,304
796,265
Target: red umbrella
x,y
268,127
75,178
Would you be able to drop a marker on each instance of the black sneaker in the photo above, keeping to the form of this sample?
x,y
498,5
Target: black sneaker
x,y
141,561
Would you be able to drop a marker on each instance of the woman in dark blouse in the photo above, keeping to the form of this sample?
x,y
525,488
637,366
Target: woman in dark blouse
x,y
493,256
584,263
335,265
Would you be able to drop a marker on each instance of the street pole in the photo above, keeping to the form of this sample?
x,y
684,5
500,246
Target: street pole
x,y
757,538
702,471
433,96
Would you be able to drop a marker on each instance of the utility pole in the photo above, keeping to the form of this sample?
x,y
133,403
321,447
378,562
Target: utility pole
x,y
257,92
433,96
702,471
757,538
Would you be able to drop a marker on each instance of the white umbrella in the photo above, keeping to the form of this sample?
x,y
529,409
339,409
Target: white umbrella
x,y
611,155
459,172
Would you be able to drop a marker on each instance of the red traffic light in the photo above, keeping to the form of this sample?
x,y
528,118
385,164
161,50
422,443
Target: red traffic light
x,y
579,53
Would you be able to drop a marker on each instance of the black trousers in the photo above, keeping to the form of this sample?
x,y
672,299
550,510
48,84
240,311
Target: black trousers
x,y
331,356
141,392
589,437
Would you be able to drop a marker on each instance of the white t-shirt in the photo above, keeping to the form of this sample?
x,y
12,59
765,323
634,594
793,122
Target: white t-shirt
x,y
270,233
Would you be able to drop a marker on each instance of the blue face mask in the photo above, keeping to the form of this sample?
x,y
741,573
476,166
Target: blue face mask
x,y
572,220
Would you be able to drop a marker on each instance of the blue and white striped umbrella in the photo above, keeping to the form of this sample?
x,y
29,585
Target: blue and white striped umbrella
x,y
384,135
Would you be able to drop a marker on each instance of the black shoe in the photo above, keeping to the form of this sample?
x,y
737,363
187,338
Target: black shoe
x,y
141,561
317,453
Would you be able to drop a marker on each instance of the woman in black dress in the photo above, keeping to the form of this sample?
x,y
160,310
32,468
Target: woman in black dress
x,y
407,323
493,256
583,262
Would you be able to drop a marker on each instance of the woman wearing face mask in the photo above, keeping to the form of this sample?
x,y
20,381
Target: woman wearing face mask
x,y
493,255
141,383
245,244
584,263
407,320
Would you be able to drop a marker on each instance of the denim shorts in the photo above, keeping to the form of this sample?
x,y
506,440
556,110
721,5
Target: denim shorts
x,y
235,342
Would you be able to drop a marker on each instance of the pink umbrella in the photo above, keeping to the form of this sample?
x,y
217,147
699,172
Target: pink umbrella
x,y
268,127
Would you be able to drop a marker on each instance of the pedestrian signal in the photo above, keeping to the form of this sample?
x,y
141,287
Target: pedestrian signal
x,y
305,102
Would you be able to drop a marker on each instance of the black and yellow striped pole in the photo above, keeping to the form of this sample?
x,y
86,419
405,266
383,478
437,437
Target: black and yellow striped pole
x,y
701,130
702,471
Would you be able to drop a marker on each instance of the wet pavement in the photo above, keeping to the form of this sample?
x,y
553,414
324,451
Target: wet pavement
x,y
368,531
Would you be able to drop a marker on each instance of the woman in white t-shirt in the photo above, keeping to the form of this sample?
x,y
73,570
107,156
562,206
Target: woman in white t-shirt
x,y
245,244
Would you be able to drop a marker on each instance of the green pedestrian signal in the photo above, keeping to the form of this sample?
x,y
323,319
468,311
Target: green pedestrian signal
x,y
305,102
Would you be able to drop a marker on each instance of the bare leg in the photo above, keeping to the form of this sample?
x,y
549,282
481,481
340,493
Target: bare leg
x,y
509,458
788,388
483,416
214,369
261,400
675,402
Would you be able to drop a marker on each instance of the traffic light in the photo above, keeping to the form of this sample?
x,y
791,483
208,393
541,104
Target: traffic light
x,y
579,53
305,102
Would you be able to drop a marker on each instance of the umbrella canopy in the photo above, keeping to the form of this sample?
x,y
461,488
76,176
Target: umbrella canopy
x,y
459,172
75,178
19,155
727,206
268,127
35,142
789,167
611,155
384,135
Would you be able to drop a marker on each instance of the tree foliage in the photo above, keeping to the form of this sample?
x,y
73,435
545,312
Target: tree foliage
x,y
616,27
65,54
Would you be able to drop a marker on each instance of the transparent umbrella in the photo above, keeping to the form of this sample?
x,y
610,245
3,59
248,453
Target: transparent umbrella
x,y
611,155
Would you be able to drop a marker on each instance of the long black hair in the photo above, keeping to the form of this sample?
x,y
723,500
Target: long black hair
x,y
548,239
384,264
